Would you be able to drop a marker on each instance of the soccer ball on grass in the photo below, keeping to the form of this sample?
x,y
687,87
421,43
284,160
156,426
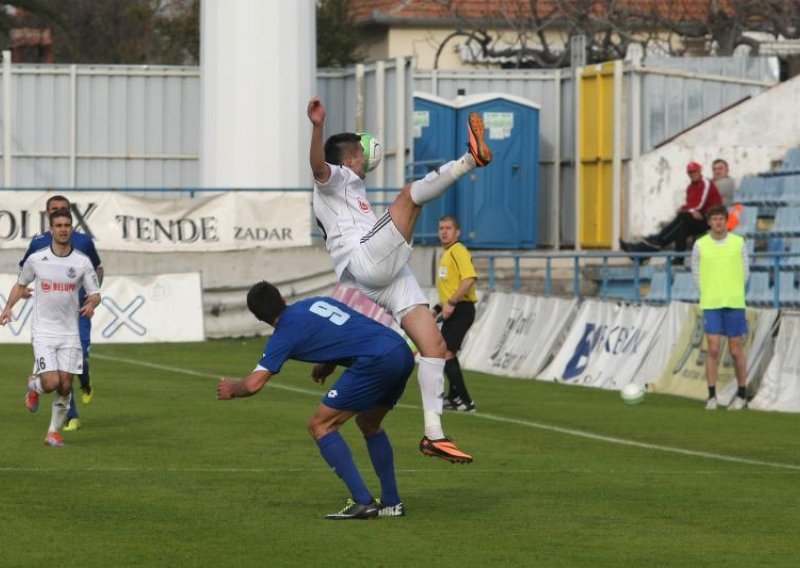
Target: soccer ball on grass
x,y
632,393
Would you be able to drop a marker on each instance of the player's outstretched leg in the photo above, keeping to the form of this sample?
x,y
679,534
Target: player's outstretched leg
x,y
436,182
477,144
443,448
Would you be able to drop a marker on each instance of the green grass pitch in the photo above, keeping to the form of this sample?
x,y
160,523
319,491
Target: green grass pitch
x,y
162,474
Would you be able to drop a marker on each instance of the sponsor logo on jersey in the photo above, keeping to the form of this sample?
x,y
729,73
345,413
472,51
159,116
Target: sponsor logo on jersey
x,y
332,393
364,206
71,272
50,286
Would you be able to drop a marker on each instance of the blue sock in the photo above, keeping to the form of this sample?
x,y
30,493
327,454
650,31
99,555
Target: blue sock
x,y
84,378
336,452
73,410
382,456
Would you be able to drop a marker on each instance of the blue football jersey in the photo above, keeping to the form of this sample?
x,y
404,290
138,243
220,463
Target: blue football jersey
x,y
81,242
324,330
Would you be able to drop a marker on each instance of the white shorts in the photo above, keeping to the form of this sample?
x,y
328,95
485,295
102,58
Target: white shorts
x,y
381,255
57,354
397,297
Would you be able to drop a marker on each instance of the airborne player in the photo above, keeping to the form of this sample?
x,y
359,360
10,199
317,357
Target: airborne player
x,y
372,254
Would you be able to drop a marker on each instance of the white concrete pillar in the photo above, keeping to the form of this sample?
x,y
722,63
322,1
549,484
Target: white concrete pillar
x,y
258,70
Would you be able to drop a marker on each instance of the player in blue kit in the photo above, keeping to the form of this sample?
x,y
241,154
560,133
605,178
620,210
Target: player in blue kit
x,y
327,332
82,243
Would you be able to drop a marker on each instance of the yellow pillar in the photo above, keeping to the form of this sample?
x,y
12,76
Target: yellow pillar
x,y
595,155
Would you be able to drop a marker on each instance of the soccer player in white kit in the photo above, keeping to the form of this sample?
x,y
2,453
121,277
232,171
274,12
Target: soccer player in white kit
x,y
372,254
59,271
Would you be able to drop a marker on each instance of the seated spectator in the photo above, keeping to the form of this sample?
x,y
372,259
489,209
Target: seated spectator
x,y
724,182
726,187
701,195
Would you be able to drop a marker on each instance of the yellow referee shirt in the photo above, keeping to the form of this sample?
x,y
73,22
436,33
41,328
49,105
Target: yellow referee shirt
x,y
455,266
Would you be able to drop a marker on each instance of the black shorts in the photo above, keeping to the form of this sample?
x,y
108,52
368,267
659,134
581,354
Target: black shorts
x,y
457,325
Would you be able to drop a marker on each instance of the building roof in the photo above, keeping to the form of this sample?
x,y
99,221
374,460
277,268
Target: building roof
x,y
407,12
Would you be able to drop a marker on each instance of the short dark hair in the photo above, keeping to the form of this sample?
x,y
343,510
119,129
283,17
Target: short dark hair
x,y
60,213
56,198
340,146
265,302
720,161
717,210
451,218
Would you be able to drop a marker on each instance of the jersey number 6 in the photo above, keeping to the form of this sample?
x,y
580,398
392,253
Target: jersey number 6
x,y
334,314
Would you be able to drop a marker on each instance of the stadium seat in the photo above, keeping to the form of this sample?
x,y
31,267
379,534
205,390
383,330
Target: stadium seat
x,y
788,292
791,161
751,250
758,290
772,191
793,247
626,272
617,281
775,244
658,288
750,191
787,222
790,195
684,288
747,221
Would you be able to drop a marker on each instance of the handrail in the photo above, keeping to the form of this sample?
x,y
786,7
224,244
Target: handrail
x,y
775,267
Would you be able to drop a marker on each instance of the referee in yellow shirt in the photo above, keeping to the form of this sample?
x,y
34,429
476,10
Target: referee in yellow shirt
x,y
455,284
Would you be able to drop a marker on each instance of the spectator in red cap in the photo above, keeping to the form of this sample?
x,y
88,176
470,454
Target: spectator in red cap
x,y
701,195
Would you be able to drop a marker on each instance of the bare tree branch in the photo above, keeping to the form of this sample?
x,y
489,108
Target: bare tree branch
x,y
536,33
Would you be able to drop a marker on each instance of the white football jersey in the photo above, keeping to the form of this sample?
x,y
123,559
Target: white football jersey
x,y
343,213
58,280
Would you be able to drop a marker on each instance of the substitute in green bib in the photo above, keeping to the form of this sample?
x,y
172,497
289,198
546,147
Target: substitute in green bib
x,y
720,267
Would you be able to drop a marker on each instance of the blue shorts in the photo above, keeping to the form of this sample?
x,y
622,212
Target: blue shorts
x,y
372,381
730,322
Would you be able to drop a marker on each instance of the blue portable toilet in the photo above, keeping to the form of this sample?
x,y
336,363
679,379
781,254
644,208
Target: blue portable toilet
x,y
497,206
434,144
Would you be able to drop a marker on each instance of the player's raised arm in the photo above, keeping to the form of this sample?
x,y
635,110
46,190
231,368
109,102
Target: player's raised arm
x,y
316,114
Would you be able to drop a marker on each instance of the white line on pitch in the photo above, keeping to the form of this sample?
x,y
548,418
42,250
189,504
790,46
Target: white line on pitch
x,y
495,418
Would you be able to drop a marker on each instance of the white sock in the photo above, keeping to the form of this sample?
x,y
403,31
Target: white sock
x,y
431,385
436,182
36,385
59,411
